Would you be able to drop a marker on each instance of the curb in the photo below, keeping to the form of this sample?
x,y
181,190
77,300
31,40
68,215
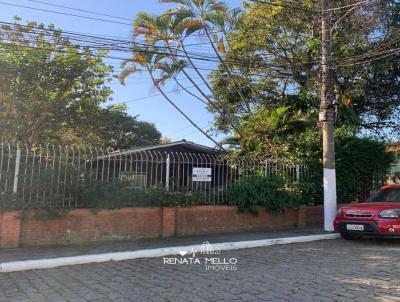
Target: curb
x,y
26,265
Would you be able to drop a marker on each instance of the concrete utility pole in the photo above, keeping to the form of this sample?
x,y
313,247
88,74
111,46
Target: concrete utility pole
x,y
327,120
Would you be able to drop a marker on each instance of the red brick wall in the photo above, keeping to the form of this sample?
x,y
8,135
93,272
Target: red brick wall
x,y
9,229
314,215
168,222
221,219
83,225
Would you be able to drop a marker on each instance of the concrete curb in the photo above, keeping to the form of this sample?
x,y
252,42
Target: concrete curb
x,y
15,266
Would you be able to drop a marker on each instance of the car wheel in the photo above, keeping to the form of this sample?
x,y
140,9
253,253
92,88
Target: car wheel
x,y
350,236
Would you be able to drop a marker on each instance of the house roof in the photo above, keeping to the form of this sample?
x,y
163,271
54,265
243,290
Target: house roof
x,y
190,146
394,147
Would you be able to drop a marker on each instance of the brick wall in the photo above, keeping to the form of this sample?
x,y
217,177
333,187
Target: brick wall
x,y
9,229
83,225
219,219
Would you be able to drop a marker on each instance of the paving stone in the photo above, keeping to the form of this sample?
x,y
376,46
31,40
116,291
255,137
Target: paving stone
x,y
325,271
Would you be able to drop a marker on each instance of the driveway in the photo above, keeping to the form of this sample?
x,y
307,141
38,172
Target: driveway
x,y
330,270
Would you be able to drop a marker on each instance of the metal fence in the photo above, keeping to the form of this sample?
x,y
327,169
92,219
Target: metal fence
x,y
55,175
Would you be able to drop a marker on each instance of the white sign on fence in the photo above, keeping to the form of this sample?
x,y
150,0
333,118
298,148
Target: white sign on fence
x,y
201,174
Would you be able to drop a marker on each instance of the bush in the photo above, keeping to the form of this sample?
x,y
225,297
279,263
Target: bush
x,y
123,194
360,162
271,192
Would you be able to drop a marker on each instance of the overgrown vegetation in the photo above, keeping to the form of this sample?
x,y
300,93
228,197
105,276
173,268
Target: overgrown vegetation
x,y
361,165
272,192
53,91
123,194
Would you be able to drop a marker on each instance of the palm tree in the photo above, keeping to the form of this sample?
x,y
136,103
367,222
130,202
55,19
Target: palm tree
x,y
168,29
209,14
171,71
151,60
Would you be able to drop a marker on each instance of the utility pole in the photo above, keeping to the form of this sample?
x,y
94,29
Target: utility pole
x,y
327,121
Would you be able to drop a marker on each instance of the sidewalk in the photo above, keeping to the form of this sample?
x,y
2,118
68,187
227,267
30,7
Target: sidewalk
x,y
33,253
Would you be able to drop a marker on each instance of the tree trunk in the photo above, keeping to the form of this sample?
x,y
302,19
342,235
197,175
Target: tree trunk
x,y
189,77
189,92
237,88
194,66
180,111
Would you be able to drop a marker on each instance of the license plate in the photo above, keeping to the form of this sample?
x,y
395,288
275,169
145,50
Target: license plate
x,y
354,227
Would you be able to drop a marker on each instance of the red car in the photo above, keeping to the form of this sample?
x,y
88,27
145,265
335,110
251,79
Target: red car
x,y
379,216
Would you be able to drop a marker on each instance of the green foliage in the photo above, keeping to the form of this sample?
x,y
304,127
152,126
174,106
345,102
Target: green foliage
x,y
271,192
52,91
361,163
48,86
266,132
123,194
122,131
280,48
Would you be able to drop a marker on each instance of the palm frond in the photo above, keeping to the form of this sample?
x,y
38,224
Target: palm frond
x,y
182,2
190,26
216,19
125,73
140,31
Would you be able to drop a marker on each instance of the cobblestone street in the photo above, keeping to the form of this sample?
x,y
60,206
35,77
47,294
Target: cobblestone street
x,y
330,270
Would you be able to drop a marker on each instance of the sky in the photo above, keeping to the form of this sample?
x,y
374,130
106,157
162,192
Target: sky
x,y
139,94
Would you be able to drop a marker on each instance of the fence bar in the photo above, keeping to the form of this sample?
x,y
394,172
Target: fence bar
x,y
55,175
167,167
16,170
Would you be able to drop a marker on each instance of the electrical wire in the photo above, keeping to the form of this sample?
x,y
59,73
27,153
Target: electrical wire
x,y
64,13
295,6
80,10
214,60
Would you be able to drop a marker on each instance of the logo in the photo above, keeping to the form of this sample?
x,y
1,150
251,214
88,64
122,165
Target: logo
x,y
206,255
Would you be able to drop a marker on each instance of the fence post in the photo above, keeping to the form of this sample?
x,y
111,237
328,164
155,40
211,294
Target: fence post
x,y
167,173
16,171
297,173
266,168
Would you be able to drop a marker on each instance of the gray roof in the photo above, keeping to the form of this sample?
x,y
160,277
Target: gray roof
x,y
191,145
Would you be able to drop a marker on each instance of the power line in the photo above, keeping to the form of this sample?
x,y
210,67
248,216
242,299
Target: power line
x,y
156,94
207,59
80,10
295,6
285,4
147,51
150,51
383,55
349,6
64,13
161,49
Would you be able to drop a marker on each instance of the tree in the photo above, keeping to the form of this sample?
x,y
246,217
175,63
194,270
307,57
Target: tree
x,y
208,16
52,91
154,62
48,86
270,132
123,131
279,47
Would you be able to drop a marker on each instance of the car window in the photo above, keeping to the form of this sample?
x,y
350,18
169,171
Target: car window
x,y
386,195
